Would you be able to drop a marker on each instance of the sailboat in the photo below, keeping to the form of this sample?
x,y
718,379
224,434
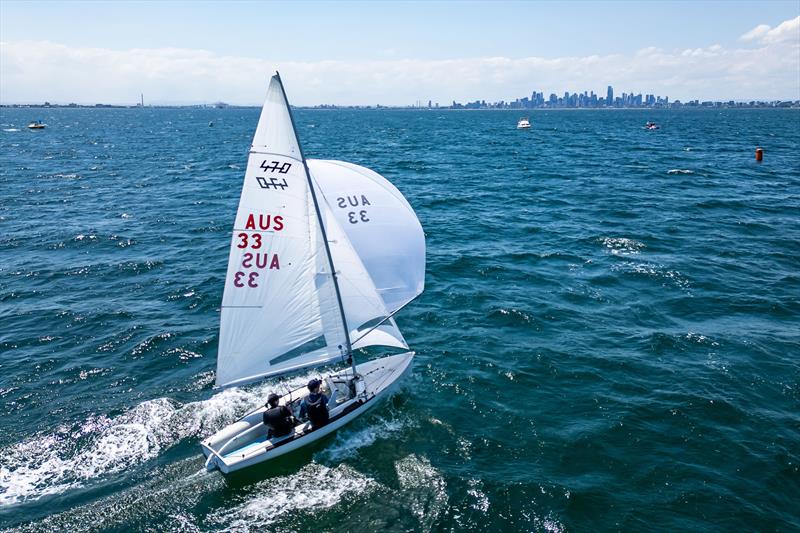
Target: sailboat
x,y
323,255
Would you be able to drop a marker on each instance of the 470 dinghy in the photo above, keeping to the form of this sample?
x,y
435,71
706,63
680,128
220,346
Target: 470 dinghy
x,y
323,255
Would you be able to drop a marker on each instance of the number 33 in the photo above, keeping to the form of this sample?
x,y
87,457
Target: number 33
x,y
351,216
251,279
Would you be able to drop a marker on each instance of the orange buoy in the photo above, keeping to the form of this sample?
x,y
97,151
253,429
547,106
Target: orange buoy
x,y
759,154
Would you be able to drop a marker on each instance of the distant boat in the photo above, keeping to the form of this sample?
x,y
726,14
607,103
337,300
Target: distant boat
x,y
37,125
651,126
352,254
211,124
523,123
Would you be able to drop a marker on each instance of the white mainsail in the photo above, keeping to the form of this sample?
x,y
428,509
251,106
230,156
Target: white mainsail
x,y
279,300
282,308
381,225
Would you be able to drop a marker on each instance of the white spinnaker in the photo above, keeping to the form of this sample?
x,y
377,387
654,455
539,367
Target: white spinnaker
x,y
381,225
363,306
279,298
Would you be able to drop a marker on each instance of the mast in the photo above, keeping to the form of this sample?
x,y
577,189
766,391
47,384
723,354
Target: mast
x,y
348,344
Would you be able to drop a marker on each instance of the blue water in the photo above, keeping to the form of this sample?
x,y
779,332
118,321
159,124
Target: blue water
x,y
608,339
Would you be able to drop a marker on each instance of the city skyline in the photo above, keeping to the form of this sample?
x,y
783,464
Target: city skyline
x,y
591,100
587,99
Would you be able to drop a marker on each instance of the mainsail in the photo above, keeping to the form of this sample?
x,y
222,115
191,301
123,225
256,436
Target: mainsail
x,y
282,308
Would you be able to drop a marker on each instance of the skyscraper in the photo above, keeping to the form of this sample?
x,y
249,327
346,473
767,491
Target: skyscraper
x,y
610,96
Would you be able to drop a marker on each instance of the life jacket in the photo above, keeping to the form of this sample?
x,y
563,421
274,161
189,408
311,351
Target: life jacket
x,y
317,411
278,420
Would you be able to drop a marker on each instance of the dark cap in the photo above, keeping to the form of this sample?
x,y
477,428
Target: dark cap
x,y
273,398
314,383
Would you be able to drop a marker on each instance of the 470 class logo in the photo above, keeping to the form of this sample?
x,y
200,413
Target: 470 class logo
x,y
274,182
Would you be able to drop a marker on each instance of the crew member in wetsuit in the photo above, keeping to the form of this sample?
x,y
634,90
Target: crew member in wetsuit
x,y
315,405
278,418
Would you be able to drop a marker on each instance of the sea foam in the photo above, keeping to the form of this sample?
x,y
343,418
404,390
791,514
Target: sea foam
x,y
101,446
312,488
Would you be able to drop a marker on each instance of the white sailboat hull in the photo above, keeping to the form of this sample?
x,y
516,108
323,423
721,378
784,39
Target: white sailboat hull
x,y
244,443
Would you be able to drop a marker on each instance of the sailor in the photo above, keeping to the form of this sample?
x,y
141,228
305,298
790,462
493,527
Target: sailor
x,y
315,405
278,418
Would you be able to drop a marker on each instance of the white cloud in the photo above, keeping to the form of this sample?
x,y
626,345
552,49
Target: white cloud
x,y
756,33
35,71
786,31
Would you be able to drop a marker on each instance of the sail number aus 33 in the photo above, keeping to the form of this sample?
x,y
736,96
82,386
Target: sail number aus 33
x,y
355,205
254,257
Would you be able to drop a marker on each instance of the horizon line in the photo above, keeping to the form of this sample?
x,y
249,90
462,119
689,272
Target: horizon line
x,y
486,105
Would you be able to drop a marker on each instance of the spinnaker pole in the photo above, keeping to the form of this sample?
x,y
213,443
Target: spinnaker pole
x,y
348,345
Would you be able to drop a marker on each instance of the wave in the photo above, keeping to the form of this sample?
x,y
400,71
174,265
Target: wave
x,y
92,238
510,317
653,271
60,175
348,443
71,457
167,493
663,342
622,245
278,503
426,488
82,237
680,171
314,487
481,502
422,490
548,523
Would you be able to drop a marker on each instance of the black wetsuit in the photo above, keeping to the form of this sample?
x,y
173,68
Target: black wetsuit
x,y
279,421
316,407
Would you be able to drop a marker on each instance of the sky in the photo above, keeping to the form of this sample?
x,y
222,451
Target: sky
x,y
394,53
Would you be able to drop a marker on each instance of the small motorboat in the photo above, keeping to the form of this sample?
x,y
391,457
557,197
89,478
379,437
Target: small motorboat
x,y
651,126
523,123
37,125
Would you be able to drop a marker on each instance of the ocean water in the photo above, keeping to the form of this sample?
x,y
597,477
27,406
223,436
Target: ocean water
x,y
609,338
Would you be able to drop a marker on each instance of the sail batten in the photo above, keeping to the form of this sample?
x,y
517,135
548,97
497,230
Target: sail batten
x,y
273,153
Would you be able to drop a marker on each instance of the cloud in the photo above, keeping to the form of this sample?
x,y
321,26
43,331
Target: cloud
x,y
786,31
35,71
756,33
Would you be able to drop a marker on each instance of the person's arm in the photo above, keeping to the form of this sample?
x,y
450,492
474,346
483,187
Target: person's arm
x,y
303,410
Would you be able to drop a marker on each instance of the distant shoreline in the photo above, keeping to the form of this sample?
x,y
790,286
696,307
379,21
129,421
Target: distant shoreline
x,y
765,105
